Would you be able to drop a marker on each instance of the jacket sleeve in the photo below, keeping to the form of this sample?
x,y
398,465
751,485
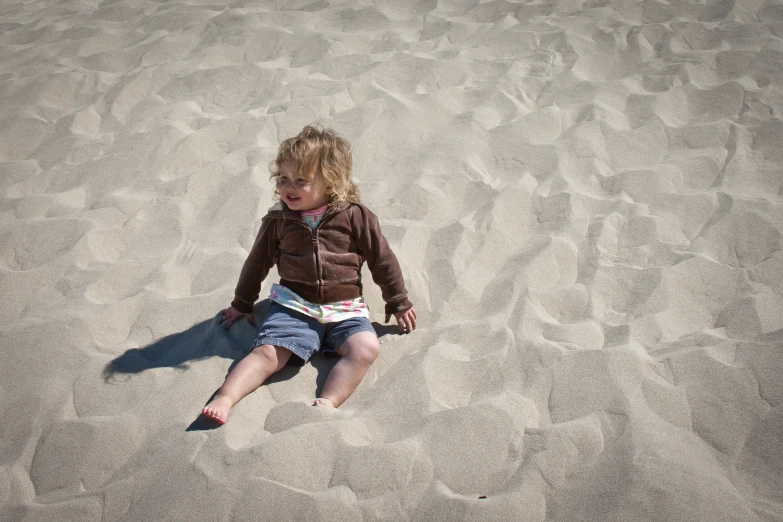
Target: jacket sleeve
x,y
257,265
382,262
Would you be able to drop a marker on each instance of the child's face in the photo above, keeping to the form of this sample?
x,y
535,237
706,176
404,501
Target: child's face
x,y
300,194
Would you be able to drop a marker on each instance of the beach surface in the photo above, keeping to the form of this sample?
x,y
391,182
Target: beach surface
x,y
585,198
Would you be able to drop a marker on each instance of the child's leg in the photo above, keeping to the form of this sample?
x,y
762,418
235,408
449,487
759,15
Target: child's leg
x,y
358,353
247,375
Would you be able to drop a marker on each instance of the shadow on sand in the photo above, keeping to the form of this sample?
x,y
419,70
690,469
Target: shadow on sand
x,y
209,339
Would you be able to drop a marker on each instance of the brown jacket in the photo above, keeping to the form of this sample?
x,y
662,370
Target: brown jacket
x,y
322,266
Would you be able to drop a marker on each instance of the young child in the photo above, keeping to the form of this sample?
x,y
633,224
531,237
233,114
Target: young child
x,y
318,235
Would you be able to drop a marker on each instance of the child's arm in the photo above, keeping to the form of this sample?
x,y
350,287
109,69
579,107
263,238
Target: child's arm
x,y
384,267
257,265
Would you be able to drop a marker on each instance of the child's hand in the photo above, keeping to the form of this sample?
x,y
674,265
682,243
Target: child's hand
x,y
232,315
406,321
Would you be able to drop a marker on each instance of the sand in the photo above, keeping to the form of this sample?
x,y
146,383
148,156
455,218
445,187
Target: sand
x,y
584,196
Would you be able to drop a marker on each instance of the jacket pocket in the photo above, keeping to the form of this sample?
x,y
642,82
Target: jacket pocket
x,y
300,269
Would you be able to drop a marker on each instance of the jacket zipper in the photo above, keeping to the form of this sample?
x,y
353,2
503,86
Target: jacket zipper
x,y
319,286
314,237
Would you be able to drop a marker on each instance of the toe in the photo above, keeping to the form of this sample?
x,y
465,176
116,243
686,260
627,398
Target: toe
x,y
321,401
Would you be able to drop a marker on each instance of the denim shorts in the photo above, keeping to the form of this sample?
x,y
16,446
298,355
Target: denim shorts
x,y
304,335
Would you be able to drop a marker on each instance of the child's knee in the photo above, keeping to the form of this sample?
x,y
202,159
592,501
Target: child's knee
x,y
367,350
267,351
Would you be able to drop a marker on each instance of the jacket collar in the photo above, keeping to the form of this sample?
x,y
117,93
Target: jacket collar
x,y
294,215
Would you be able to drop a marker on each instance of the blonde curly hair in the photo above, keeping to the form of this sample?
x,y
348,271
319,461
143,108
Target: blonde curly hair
x,y
317,149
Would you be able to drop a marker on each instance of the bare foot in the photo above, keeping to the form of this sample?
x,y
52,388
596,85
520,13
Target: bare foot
x,y
218,409
323,401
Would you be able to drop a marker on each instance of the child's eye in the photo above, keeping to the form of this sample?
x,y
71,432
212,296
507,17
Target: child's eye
x,y
285,181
